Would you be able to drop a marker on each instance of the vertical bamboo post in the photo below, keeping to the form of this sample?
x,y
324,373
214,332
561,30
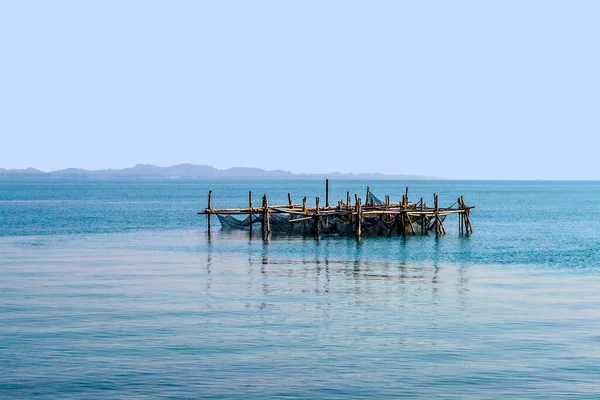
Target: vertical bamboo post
x,y
422,218
208,208
437,215
326,192
317,220
304,215
469,218
358,220
267,216
250,207
402,216
290,200
367,197
348,200
406,194
468,225
263,219
459,216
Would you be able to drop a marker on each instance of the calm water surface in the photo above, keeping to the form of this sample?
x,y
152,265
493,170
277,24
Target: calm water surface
x,y
114,289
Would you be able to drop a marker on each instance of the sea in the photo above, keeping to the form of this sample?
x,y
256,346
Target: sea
x,y
115,289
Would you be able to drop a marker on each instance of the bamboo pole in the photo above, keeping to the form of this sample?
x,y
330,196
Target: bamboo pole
x,y
317,220
437,216
250,207
459,217
208,215
267,216
412,228
290,200
402,219
358,220
422,218
367,197
326,192
348,202
262,220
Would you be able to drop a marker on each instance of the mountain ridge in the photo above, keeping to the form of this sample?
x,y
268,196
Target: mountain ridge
x,y
191,171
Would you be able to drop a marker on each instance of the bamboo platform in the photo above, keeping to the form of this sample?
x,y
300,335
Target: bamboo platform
x,y
373,217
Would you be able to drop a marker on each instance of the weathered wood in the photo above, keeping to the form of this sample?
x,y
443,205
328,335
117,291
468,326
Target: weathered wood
x,y
461,223
395,215
208,215
250,208
437,215
358,219
403,222
422,218
348,205
267,216
263,222
412,228
326,192
317,220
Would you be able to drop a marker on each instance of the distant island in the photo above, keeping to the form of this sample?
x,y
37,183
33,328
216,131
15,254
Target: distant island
x,y
188,171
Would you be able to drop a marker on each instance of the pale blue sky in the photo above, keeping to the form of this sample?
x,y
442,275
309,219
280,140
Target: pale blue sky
x,y
459,89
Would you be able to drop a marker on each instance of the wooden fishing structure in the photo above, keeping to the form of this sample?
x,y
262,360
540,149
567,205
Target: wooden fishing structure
x,y
373,217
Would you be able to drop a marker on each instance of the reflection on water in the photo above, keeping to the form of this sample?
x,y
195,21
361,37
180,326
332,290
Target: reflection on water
x,y
341,259
176,314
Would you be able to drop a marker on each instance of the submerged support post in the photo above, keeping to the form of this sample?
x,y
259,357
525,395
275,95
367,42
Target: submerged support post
x,y
304,222
460,217
358,220
317,220
422,218
250,207
208,208
267,216
468,225
409,222
263,219
437,215
402,216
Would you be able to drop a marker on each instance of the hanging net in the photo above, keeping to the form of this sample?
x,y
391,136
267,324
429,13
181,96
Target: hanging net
x,y
338,222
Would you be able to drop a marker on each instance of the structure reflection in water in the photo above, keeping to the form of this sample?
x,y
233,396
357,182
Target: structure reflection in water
x,y
333,266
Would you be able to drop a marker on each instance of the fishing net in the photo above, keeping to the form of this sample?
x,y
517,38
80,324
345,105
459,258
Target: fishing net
x,y
339,222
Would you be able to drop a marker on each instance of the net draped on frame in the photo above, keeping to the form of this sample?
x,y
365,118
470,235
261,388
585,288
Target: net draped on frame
x,y
338,223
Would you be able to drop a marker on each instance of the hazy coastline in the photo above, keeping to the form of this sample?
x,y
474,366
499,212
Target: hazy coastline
x,y
190,171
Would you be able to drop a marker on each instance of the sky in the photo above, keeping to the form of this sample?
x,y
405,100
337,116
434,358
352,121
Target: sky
x,y
456,89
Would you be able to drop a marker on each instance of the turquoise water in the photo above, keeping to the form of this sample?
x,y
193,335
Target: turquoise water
x,y
114,289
